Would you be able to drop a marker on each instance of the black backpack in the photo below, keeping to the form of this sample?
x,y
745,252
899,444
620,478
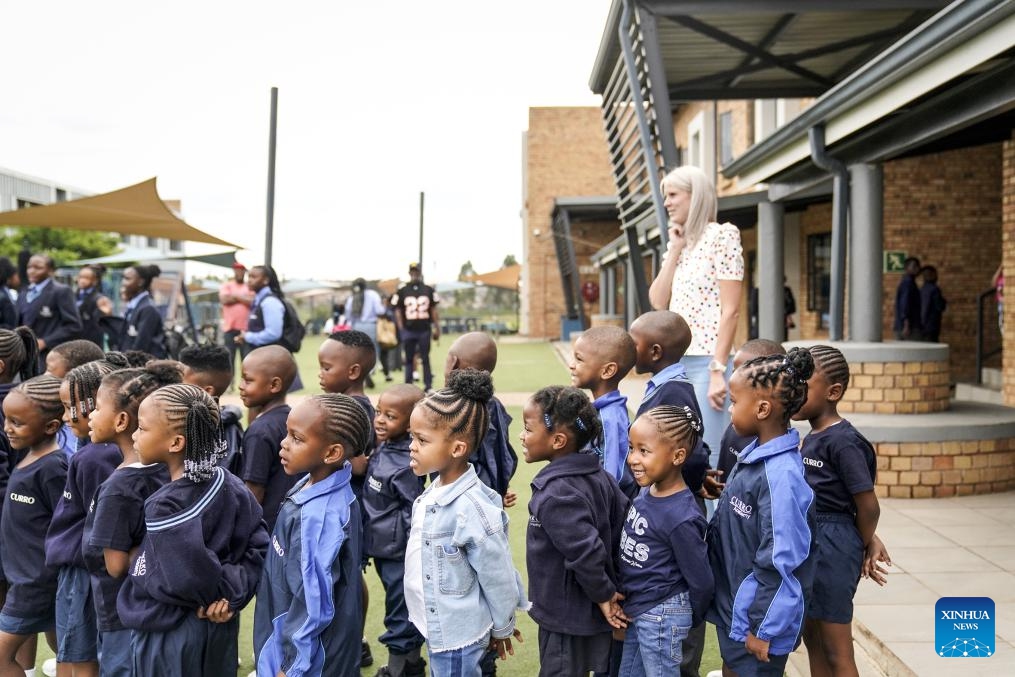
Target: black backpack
x,y
293,329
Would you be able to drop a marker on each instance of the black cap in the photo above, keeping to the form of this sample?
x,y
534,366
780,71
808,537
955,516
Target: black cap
x,y
414,266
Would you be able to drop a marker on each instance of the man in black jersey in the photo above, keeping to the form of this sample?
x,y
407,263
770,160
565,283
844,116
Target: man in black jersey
x,y
416,314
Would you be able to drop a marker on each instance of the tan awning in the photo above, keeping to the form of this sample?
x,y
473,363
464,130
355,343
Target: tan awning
x,y
135,210
505,278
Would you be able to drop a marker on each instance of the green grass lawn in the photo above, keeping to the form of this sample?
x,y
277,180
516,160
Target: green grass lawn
x,y
522,368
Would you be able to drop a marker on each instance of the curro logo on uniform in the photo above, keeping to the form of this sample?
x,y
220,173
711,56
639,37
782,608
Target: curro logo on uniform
x,y
964,627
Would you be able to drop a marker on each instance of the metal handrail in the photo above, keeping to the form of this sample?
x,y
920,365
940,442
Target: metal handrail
x,y
981,355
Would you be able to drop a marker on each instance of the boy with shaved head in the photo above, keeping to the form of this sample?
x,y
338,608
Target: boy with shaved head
x,y
495,461
265,378
602,357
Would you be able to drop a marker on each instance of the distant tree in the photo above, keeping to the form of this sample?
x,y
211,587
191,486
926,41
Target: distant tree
x,y
62,244
465,298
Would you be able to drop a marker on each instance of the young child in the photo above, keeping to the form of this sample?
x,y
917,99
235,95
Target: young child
x,y
461,588
210,368
760,562
142,320
66,356
840,466
114,525
388,495
576,519
265,378
307,619
495,461
204,547
33,413
602,358
664,571
732,443
76,631
19,359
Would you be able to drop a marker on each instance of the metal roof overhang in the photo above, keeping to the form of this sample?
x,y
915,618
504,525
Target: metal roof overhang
x,y
952,73
747,49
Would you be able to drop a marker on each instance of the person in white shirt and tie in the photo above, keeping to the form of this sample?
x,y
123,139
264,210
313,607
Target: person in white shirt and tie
x,y
47,306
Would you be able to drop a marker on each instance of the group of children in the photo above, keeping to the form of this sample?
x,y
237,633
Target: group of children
x,y
145,518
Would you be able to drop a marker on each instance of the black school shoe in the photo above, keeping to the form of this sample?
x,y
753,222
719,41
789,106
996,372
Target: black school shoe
x,y
417,669
366,657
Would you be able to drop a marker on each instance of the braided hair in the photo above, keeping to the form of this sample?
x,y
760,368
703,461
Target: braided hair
x,y
679,424
133,385
19,351
570,408
84,381
192,412
832,363
272,277
78,352
147,274
460,406
138,358
344,421
785,375
44,392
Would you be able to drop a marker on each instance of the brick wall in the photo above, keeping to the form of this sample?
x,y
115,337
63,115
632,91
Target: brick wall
x,y
896,388
945,209
939,469
1008,252
566,156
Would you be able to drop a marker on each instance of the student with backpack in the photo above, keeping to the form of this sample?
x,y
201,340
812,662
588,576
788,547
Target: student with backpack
x,y
273,319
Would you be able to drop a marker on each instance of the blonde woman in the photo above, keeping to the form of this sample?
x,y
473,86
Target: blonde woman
x,y
700,278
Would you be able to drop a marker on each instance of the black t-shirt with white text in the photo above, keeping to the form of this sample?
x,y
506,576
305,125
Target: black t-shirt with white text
x,y
839,462
416,301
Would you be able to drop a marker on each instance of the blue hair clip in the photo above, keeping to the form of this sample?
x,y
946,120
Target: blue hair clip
x,y
548,421
580,424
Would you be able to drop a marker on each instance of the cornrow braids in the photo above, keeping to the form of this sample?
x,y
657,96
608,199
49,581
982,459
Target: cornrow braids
x,y
193,412
20,352
84,382
832,363
345,421
44,391
461,405
785,375
138,358
570,408
156,374
680,424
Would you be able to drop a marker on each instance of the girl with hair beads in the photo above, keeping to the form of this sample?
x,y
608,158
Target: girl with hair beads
x,y
114,524
461,588
19,359
200,559
309,603
89,467
577,512
142,322
840,466
32,413
759,539
664,569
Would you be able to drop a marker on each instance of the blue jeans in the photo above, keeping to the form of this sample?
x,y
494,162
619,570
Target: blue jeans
x,y
462,662
715,422
652,646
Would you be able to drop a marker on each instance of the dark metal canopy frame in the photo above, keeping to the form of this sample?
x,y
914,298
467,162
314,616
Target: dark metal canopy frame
x,y
567,211
657,54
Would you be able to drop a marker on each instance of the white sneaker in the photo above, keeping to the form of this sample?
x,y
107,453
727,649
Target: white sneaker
x,y
49,667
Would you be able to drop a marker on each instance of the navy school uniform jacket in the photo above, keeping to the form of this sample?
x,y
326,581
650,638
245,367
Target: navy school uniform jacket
x,y
53,315
496,461
8,310
357,480
230,422
759,542
204,542
143,329
309,602
388,493
576,517
32,494
87,469
261,463
680,393
730,448
115,520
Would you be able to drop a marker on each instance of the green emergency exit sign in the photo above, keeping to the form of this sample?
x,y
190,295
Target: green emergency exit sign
x,y
895,262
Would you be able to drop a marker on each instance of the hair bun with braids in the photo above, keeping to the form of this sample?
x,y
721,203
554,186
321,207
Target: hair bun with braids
x,y
471,384
802,362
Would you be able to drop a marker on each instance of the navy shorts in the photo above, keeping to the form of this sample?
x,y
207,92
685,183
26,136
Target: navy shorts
x,y
736,657
194,647
76,630
15,625
838,561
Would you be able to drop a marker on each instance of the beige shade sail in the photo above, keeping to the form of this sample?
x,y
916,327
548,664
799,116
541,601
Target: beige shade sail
x,y
134,210
505,278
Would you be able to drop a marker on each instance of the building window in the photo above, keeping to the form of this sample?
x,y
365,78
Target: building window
x,y
701,142
819,274
725,138
153,242
176,245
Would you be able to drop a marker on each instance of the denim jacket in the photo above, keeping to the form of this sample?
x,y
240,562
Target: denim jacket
x,y
470,585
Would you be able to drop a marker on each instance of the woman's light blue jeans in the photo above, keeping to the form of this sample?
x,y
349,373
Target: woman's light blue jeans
x,y
715,422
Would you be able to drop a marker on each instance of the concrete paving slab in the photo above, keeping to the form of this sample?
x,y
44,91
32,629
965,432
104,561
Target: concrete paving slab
x,y
902,588
920,657
914,536
998,585
940,560
893,622
1001,555
970,535
957,516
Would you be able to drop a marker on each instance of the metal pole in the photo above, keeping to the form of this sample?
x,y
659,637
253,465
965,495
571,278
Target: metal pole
x,y
420,258
270,220
771,272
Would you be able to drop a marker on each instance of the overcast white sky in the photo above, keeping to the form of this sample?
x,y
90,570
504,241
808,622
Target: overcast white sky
x,y
377,102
